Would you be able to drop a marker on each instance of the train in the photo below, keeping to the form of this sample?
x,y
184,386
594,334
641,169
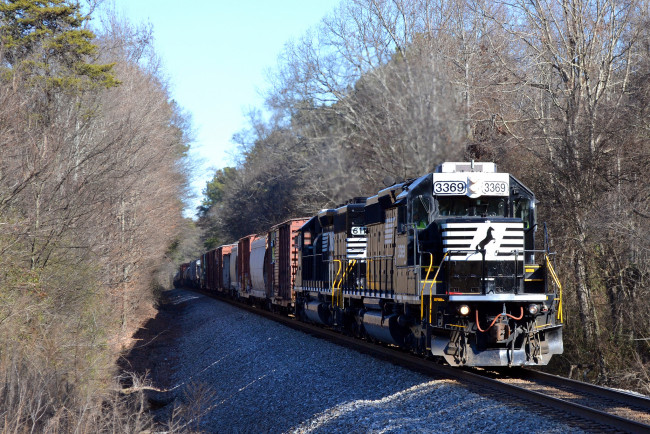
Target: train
x,y
444,265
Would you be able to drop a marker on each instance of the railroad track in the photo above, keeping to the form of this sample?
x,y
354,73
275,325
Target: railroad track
x,y
586,406
592,402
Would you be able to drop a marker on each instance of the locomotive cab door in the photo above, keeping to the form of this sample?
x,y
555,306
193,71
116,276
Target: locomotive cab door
x,y
406,279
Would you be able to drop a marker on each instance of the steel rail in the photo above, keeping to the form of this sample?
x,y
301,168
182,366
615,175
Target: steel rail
x,y
639,401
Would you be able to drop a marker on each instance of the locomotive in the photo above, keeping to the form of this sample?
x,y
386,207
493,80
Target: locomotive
x,y
445,264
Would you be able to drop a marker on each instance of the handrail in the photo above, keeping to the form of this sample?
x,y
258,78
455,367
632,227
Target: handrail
x,y
346,272
424,284
560,314
430,285
334,281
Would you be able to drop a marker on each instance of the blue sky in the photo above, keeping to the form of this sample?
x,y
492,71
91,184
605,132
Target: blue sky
x,y
216,55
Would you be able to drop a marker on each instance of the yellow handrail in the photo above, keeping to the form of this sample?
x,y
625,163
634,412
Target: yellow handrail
x,y
336,284
560,314
334,281
424,284
345,273
431,286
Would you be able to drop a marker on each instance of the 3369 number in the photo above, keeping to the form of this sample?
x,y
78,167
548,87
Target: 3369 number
x,y
449,187
494,187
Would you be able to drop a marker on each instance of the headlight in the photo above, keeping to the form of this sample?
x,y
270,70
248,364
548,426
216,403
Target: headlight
x,y
533,309
463,310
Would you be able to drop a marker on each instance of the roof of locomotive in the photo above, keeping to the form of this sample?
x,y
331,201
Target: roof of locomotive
x,y
466,166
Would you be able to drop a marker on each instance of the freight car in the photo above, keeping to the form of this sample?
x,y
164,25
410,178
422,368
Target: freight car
x,y
445,264
189,275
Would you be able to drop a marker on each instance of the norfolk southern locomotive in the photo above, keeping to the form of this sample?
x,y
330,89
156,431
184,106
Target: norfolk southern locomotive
x,y
444,264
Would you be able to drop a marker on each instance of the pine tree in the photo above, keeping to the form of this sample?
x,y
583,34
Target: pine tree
x,y
46,42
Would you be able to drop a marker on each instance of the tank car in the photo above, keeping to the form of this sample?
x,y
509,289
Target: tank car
x,y
233,272
269,262
444,264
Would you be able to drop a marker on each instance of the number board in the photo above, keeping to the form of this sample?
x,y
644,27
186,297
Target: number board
x,y
494,187
449,187
359,231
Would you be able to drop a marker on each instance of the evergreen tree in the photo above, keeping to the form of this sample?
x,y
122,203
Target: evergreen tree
x,y
213,199
215,189
46,41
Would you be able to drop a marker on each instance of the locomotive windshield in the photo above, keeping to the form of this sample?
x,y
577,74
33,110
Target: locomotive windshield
x,y
463,206
523,211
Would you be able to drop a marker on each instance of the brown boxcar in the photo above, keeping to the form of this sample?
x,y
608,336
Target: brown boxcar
x,y
225,283
218,269
210,270
283,261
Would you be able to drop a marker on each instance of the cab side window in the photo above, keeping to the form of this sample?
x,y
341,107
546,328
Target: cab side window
x,y
401,219
421,208
522,211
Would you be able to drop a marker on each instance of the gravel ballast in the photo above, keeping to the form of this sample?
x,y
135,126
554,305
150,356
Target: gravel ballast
x,y
249,374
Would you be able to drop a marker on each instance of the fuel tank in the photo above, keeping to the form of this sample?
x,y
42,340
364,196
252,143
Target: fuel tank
x,y
384,328
317,312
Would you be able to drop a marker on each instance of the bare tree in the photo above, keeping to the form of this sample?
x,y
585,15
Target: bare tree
x,y
574,60
91,175
375,73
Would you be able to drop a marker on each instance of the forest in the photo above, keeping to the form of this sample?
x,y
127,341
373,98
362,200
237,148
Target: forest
x,y
554,91
93,170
